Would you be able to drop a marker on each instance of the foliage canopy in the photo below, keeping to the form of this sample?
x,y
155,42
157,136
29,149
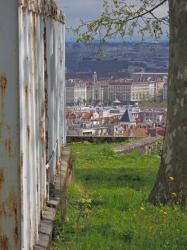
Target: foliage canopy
x,y
124,18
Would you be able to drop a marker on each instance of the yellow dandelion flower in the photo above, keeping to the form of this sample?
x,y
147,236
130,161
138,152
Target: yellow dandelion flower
x,y
171,178
174,194
163,212
185,199
83,200
142,209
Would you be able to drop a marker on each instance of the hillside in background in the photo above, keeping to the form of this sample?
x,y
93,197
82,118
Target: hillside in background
x,y
119,59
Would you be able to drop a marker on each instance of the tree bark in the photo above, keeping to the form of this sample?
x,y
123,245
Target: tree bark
x,y
171,181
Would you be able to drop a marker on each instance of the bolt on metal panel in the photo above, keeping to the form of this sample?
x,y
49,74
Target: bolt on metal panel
x,y
31,115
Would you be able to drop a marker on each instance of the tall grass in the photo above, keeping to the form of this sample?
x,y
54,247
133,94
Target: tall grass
x,y
108,208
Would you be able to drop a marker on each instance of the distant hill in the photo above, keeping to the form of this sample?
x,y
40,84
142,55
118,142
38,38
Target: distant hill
x,y
118,58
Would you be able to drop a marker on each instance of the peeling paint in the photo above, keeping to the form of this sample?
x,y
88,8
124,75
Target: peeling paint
x,y
8,145
27,91
28,132
42,134
8,206
45,8
3,242
3,84
21,178
16,233
1,179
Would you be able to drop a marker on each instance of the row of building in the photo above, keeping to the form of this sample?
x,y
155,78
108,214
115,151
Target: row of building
x,y
141,87
119,121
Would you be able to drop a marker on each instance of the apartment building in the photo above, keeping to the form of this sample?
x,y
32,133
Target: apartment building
x,y
129,91
141,91
107,90
69,94
120,90
151,116
80,92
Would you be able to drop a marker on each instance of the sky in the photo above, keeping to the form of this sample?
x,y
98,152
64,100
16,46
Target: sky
x,y
76,9
87,9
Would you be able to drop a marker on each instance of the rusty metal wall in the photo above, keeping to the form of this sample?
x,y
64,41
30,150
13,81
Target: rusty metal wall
x,y
32,129
9,129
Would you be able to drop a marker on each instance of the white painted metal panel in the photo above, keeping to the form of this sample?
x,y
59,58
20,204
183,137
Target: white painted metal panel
x,y
31,114
10,199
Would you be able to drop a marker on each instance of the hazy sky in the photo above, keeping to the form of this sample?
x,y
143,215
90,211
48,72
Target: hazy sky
x,y
86,9
76,9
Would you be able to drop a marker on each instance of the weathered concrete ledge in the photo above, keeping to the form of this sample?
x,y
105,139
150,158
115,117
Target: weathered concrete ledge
x,y
145,145
99,139
62,178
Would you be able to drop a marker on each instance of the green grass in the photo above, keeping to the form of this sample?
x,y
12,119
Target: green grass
x,y
152,104
118,217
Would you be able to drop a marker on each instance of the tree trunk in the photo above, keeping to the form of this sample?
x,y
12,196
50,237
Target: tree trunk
x,y
171,181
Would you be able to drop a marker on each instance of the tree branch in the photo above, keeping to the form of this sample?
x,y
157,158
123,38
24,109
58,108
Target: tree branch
x,y
121,17
148,11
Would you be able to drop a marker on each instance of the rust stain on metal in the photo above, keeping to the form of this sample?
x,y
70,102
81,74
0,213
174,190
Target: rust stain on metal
x,y
28,131
27,90
3,211
7,208
45,8
46,85
16,234
35,39
12,202
3,84
21,176
3,242
8,145
1,178
21,164
42,134
58,165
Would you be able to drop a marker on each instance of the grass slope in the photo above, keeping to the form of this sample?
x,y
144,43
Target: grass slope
x,y
107,207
